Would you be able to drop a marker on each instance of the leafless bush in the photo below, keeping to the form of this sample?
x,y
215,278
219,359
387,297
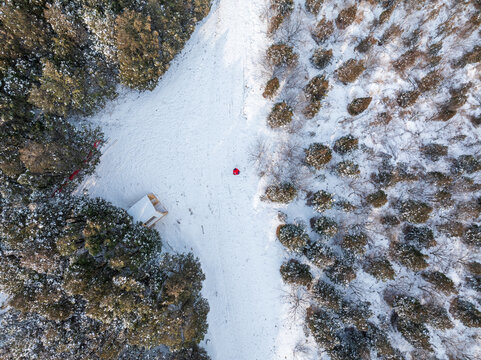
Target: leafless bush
x,y
260,157
297,300
291,30
301,351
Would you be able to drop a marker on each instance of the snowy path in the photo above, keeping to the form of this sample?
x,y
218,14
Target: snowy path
x,y
182,141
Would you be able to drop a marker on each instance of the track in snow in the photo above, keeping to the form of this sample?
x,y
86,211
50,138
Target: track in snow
x,y
182,141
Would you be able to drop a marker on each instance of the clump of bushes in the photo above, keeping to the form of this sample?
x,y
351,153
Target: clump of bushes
x,y
313,6
281,115
377,199
380,268
407,98
350,71
346,144
415,333
283,193
322,31
386,14
271,88
440,281
390,220
465,312
283,7
471,57
320,255
347,168
324,226
346,17
434,151
414,211
321,58
281,55
318,155
438,178
356,314
292,237
296,273
358,105
452,228
322,201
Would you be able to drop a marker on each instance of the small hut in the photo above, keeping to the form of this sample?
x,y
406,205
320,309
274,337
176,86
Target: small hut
x,y
148,210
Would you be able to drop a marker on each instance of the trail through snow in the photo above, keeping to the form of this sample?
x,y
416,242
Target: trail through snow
x,y
181,141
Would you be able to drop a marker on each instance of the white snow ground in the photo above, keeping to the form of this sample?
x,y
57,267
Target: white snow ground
x,y
181,141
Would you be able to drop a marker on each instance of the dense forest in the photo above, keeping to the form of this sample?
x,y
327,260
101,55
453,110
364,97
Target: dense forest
x,y
83,280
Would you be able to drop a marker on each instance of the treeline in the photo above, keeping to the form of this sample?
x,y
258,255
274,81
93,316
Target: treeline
x,y
83,281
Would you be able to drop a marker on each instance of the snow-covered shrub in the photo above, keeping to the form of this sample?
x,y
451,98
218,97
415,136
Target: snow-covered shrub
x,y
377,199
465,312
380,268
318,155
280,115
472,235
418,236
347,168
312,109
322,201
356,314
381,343
438,178
415,333
407,307
430,81
346,144
433,151
282,193
349,71
346,17
281,55
321,58
283,7
407,60
353,345
323,326
327,296
466,164
409,256
386,14
313,6
407,98
271,88
459,97
471,57
390,220
414,211
443,198
391,33
294,272
324,226
292,237
355,242
193,353
319,254
365,44
358,105
323,30
341,272
440,281
317,88
438,317
452,228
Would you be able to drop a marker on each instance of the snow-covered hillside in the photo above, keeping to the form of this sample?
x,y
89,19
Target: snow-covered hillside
x,y
182,141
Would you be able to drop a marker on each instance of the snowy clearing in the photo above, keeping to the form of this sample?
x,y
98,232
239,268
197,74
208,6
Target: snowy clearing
x,y
181,142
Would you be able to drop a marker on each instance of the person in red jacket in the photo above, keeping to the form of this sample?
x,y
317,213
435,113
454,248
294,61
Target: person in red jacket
x,y
236,171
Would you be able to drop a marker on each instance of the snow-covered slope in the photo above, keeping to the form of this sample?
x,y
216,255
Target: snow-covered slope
x,y
182,141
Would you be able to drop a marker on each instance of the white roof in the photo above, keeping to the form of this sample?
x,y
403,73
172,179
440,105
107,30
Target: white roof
x,y
143,210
